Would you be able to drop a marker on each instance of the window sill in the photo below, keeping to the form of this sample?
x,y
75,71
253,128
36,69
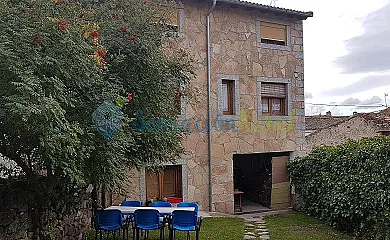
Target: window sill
x,y
229,117
274,118
274,46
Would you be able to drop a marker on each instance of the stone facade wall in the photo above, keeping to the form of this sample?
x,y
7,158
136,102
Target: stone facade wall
x,y
355,128
236,51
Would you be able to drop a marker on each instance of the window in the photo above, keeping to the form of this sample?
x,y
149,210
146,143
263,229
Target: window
x,y
272,33
273,99
166,183
170,16
227,97
179,103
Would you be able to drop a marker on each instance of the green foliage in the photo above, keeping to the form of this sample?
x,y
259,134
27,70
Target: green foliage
x,y
50,86
296,225
53,78
347,185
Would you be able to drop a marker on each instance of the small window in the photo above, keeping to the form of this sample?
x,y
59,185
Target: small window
x,y
273,99
227,97
272,33
170,17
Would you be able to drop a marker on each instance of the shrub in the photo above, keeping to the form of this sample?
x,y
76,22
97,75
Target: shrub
x,y
347,185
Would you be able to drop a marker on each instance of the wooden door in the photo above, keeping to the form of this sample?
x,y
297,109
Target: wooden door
x,y
166,183
280,195
152,184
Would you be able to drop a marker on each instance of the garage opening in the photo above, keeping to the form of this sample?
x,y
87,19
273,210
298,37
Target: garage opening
x,y
261,181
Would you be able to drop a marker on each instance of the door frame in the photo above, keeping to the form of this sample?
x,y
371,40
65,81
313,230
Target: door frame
x,y
184,181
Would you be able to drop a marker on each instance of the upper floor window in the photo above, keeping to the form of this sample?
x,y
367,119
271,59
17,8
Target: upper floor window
x,y
273,99
272,33
180,103
227,97
169,15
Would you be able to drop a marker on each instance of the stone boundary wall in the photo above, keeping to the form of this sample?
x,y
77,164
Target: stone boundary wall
x,y
69,221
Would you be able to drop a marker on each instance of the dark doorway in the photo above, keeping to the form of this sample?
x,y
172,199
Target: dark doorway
x,y
253,176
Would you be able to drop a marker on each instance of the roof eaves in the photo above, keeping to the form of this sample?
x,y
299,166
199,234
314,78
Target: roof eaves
x,y
300,14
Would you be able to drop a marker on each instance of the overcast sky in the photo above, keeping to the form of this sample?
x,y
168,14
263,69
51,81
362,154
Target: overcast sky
x,y
347,53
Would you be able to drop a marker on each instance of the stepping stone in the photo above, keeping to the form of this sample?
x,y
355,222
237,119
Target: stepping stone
x,y
250,233
264,237
249,237
249,225
264,233
262,227
261,230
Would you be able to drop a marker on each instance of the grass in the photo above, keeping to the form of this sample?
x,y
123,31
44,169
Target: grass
x,y
299,226
212,228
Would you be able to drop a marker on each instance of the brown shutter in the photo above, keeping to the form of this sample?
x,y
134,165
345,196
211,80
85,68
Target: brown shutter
x,y
152,185
273,31
169,182
280,193
273,90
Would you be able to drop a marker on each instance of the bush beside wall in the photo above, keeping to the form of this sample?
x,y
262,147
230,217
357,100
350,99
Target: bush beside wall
x,y
347,185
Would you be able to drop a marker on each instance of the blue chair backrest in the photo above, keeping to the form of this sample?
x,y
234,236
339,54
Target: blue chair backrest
x,y
108,219
131,203
161,204
147,219
184,220
189,204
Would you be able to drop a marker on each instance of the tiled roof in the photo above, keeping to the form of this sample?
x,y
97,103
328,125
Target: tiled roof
x,y
299,14
318,122
314,123
381,118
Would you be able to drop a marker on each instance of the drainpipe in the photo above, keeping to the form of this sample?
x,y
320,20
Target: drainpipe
x,y
209,103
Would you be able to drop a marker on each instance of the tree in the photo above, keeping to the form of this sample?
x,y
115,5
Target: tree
x,y
69,69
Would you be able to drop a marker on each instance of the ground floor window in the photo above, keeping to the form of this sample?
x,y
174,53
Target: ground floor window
x,y
165,183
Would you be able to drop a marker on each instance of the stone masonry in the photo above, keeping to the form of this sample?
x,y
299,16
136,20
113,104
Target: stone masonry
x,y
236,51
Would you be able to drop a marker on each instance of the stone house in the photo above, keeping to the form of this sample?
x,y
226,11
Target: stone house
x,y
355,127
318,122
253,77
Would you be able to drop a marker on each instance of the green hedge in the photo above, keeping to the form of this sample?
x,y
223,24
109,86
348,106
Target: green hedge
x,y
347,186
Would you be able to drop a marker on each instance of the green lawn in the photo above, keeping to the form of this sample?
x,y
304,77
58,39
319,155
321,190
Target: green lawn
x,y
212,228
299,226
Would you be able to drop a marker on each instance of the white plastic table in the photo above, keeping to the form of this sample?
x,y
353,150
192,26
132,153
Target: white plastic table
x,y
162,210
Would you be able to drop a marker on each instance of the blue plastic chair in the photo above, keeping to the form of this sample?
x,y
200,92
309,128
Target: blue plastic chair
x,y
185,221
129,217
189,204
161,204
132,203
147,219
108,221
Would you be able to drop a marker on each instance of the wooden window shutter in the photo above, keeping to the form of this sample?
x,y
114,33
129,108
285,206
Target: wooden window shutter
x,y
152,184
272,31
273,90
